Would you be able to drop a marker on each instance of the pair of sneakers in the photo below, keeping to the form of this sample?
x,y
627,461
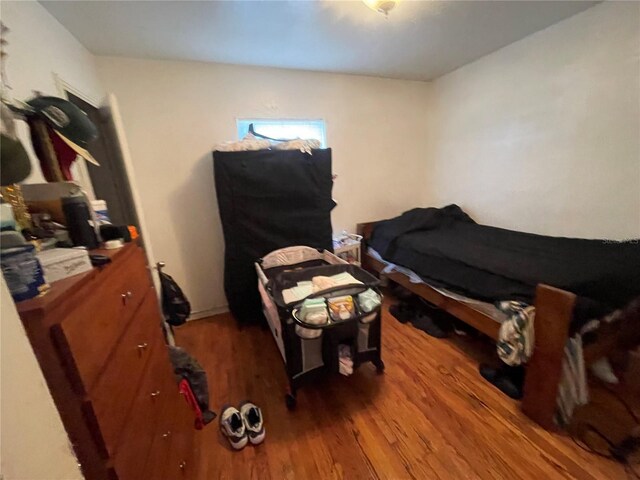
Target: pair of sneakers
x,y
242,425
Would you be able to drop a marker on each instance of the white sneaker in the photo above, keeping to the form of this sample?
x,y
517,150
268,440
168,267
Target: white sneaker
x,y
254,425
232,427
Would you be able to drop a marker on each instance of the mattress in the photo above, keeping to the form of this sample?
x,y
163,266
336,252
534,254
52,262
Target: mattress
x,y
478,305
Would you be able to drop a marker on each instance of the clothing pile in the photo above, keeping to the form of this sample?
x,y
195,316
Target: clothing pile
x,y
253,142
304,145
516,337
574,390
186,368
249,142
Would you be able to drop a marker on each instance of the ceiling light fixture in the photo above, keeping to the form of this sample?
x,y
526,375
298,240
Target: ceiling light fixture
x,y
381,6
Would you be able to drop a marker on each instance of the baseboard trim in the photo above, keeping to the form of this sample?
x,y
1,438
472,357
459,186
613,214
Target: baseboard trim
x,y
208,313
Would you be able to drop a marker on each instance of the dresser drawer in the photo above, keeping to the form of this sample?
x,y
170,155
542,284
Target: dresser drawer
x,y
174,459
149,424
167,458
88,335
183,457
113,394
160,453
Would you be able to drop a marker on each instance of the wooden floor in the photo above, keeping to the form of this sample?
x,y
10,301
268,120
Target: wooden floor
x,y
430,416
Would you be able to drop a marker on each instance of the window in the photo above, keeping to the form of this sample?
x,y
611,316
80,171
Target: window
x,y
285,129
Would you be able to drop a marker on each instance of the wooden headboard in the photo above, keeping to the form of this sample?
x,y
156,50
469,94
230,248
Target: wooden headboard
x,y
365,229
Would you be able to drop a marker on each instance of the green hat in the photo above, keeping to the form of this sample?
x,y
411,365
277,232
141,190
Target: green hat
x,y
15,165
71,124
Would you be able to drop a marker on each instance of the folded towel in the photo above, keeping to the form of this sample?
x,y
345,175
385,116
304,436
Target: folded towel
x,y
294,294
322,283
345,278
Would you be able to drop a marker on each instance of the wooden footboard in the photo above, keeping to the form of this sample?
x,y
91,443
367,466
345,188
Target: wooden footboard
x,y
554,308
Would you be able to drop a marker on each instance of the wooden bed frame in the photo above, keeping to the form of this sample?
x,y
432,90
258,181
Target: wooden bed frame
x,y
554,309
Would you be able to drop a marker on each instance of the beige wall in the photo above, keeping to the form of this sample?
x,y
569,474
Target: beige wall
x,y
39,50
544,134
176,112
35,445
34,442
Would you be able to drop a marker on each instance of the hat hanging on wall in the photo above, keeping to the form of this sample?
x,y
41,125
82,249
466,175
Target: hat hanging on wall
x,y
15,165
67,121
14,161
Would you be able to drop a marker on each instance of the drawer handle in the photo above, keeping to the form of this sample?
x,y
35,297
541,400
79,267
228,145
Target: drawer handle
x,y
142,346
182,465
155,394
126,296
166,434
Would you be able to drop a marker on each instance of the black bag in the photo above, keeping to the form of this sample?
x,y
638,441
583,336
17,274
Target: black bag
x,y
174,303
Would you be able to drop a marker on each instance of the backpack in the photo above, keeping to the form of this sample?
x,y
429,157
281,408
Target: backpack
x,y
174,303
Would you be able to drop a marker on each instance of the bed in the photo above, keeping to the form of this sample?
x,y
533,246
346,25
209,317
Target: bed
x,y
465,267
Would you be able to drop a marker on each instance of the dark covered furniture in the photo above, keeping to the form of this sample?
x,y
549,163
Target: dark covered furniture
x,y
269,199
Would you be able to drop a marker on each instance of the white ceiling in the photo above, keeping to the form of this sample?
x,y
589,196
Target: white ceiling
x,y
419,40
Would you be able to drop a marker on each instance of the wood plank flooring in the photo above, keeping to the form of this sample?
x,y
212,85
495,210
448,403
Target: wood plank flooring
x,y
430,416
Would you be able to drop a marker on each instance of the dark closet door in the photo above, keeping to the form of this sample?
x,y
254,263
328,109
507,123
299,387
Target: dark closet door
x,y
109,180
269,199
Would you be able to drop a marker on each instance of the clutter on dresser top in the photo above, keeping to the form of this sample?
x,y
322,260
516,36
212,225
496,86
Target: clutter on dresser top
x,y
58,228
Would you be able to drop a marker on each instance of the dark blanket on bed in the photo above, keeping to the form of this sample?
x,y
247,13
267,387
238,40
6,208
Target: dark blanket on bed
x,y
448,249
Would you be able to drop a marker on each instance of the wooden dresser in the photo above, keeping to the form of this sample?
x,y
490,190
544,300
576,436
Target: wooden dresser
x,y
99,341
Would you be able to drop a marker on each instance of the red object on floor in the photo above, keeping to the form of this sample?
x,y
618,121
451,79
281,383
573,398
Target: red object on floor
x,y
187,393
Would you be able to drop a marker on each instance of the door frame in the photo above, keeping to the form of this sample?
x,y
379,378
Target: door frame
x,y
85,180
